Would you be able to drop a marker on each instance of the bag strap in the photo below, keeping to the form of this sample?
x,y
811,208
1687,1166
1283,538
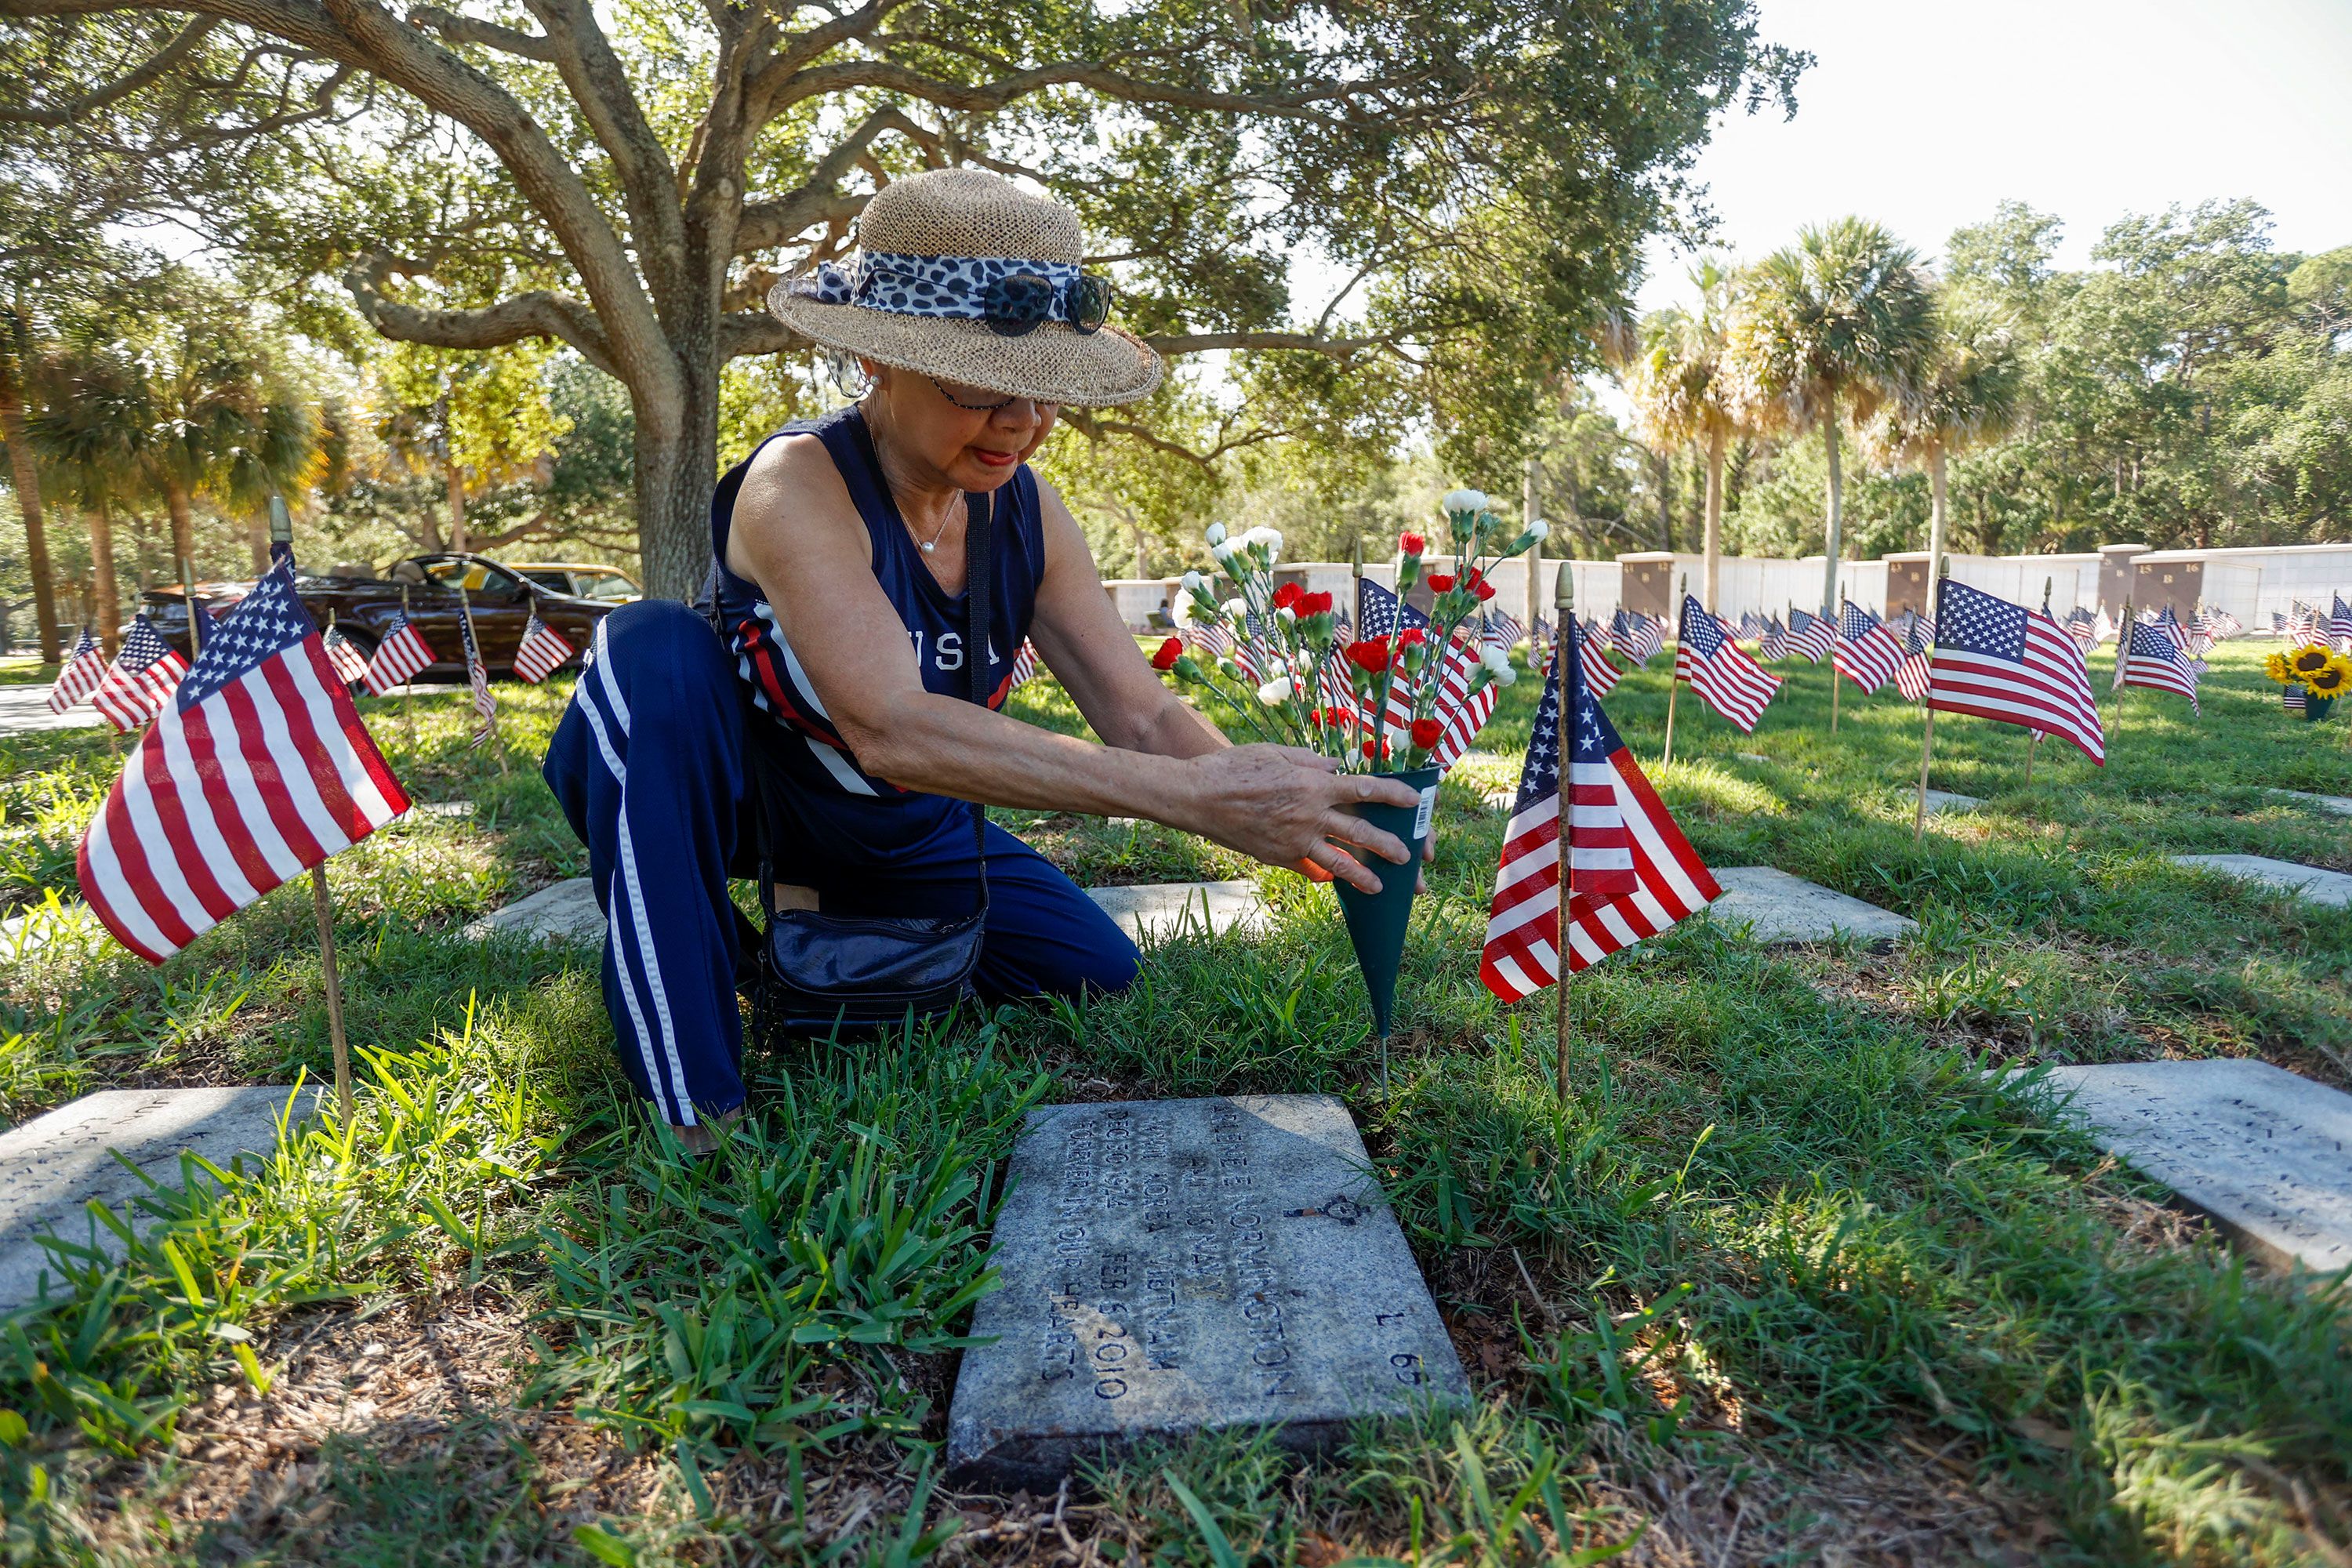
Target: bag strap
x,y
979,557
979,581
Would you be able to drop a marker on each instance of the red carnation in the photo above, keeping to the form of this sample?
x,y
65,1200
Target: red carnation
x,y
1413,545
1427,732
1314,605
1440,583
1287,595
1169,653
1371,655
1411,636
1484,589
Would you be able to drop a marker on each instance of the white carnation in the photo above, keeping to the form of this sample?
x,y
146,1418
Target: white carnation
x,y
1267,539
1275,691
1194,582
1539,529
1216,534
1503,674
1465,500
1236,611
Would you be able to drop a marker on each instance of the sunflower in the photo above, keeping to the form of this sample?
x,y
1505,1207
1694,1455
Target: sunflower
x,y
2330,680
2276,668
2310,658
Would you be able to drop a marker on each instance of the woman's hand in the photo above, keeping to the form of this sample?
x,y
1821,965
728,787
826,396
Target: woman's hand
x,y
1284,806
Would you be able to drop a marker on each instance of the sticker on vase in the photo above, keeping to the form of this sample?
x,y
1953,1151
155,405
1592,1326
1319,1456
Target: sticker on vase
x,y
1428,809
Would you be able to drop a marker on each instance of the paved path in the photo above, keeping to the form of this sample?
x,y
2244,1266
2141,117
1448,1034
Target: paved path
x,y
24,711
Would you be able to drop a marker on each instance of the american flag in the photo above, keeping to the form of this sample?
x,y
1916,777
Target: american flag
x,y
2154,660
2167,623
141,679
1539,637
1381,613
541,651
1636,635
258,769
2103,630
1505,629
343,656
403,652
1812,635
81,675
1911,678
1634,873
2221,625
485,706
1866,653
1461,712
1774,645
1600,677
2341,618
1723,677
1751,625
1024,665
2082,626
1210,638
2291,699
2000,660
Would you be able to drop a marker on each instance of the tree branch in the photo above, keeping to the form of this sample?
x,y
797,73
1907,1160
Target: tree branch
x,y
1202,343
584,58
890,77
537,314
814,200
488,35
774,74
744,332
155,66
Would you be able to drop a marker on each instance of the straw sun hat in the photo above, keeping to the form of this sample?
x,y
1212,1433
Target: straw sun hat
x,y
962,274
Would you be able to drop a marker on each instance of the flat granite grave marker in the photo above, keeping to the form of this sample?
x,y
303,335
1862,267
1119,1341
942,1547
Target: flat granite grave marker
x,y
1941,800
1179,1264
56,1164
1170,908
2313,884
1775,908
2266,1153
565,912
2337,805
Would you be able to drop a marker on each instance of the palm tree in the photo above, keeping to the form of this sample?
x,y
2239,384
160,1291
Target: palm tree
x,y
1969,392
1831,326
93,431
21,357
1684,393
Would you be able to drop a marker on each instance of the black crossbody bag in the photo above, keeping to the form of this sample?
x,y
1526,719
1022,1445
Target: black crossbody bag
x,y
820,973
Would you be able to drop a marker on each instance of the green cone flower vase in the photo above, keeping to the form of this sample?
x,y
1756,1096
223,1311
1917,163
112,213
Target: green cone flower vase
x,y
2315,709
1376,922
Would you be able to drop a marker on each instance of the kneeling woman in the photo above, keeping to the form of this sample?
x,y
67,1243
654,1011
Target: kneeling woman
x,y
836,683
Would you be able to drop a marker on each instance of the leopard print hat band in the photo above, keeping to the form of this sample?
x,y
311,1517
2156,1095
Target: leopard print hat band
x,y
914,295
952,286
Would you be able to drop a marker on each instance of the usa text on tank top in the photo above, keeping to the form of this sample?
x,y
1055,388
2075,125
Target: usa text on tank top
x,y
934,619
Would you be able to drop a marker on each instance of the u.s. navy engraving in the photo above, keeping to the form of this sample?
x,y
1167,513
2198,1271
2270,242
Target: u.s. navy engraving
x,y
1179,1264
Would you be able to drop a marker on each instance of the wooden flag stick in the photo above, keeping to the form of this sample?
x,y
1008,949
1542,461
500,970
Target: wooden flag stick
x,y
407,714
1563,647
1834,630
1673,683
326,913
1927,738
188,593
498,741
2123,653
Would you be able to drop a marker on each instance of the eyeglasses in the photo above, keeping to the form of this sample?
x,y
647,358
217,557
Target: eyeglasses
x,y
1018,304
968,397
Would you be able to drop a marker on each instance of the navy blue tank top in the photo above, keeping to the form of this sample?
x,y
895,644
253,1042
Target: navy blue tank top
x,y
814,756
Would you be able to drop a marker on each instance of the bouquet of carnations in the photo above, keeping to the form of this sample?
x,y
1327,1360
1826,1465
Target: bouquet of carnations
x,y
1275,652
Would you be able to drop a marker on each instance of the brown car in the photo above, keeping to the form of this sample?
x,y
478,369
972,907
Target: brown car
x,y
364,609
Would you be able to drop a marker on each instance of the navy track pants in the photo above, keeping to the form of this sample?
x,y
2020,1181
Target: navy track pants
x,y
650,767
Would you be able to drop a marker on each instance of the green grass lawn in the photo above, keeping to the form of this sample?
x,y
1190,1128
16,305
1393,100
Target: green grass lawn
x,y
1797,1270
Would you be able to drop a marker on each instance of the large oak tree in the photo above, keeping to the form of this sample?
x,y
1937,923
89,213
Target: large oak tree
x,y
1477,174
